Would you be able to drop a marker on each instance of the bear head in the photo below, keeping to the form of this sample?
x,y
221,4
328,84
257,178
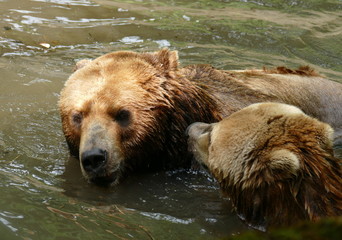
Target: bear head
x,y
274,162
127,111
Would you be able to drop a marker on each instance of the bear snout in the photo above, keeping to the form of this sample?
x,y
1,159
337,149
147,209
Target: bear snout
x,y
194,130
95,167
101,158
94,161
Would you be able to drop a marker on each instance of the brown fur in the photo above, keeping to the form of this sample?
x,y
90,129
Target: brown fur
x,y
159,100
303,71
274,162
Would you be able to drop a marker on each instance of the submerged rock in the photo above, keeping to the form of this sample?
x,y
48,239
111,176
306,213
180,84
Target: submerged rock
x,y
326,229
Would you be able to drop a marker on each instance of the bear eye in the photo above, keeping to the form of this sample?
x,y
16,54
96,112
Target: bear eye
x,y
77,119
123,117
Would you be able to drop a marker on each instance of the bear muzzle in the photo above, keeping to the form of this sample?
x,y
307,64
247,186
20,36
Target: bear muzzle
x,y
195,129
198,135
94,161
100,157
95,165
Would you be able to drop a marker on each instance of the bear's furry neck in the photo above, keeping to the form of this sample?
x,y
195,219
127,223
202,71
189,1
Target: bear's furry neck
x,y
311,195
189,103
224,87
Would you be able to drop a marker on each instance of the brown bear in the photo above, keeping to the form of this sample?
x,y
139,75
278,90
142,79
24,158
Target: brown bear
x,y
128,111
275,163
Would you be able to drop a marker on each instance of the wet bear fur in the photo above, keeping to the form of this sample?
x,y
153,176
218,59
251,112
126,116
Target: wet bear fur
x,y
127,112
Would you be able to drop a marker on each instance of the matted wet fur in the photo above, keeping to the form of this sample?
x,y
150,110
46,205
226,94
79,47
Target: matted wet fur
x,y
127,111
275,163
303,71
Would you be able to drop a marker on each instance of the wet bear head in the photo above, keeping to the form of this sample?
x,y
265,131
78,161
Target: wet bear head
x,y
274,162
127,111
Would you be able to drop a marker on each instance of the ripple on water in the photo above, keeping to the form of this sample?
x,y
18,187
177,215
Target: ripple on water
x,y
70,2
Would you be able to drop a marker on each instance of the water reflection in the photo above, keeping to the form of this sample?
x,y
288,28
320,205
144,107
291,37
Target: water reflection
x,y
174,196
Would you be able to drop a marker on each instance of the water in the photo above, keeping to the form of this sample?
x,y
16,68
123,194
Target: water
x,y
43,195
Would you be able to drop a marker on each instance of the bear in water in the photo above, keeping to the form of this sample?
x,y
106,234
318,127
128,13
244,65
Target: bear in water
x,y
127,112
274,162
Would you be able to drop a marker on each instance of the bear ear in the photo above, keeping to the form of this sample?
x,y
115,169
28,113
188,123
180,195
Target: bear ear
x,y
82,63
326,138
284,163
165,60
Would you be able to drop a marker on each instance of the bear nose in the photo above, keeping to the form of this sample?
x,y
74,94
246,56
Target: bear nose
x,y
197,128
187,130
94,160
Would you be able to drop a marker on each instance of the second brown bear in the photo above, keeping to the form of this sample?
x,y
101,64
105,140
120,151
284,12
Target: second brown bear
x,y
274,162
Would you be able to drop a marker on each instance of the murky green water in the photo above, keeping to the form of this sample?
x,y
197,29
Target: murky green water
x,y
42,192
